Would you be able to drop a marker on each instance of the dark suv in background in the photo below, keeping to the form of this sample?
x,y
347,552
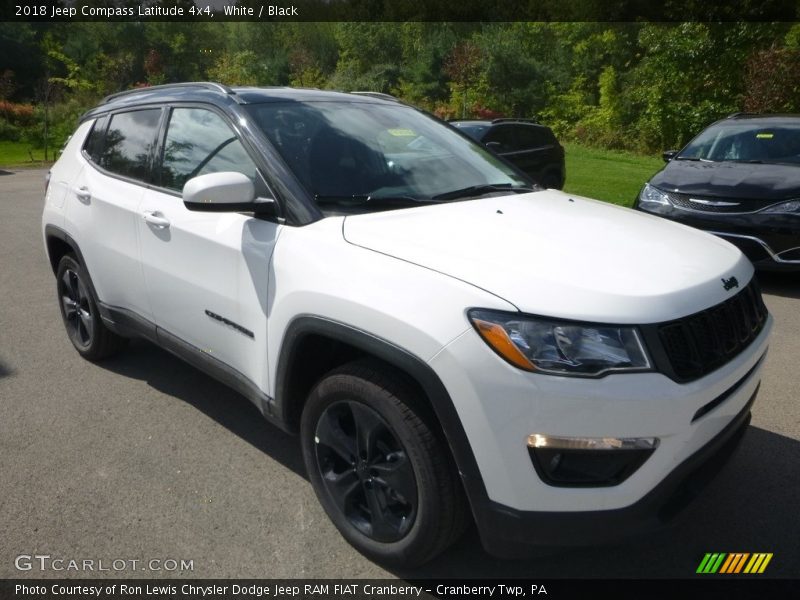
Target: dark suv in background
x,y
739,179
529,145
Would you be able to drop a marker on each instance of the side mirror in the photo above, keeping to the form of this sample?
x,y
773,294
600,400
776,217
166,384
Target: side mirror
x,y
228,191
668,155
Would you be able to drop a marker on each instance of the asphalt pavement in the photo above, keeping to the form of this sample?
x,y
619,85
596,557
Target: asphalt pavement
x,y
144,458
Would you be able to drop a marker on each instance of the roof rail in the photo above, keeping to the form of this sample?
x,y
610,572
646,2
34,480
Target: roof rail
x,y
204,84
512,119
741,114
378,95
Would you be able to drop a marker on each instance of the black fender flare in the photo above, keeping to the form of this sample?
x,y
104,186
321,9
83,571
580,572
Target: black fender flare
x,y
51,231
413,366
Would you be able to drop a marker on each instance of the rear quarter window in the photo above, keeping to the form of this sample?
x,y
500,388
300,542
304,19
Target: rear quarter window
x,y
93,145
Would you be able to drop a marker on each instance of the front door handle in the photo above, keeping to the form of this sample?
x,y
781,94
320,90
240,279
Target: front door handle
x,y
156,219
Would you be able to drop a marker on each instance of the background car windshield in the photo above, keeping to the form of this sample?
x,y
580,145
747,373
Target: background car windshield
x,y
347,149
474,131
777,142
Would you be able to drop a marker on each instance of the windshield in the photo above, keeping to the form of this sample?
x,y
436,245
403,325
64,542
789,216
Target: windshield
x,y
354,152
758,142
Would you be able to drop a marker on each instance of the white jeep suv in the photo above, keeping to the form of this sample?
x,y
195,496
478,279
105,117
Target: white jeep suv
x,y
451,341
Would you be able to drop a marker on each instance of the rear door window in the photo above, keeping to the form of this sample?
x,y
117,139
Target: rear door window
x,y
533,137
129,143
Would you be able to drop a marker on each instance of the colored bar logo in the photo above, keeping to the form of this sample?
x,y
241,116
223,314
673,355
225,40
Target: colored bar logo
x,y
734,562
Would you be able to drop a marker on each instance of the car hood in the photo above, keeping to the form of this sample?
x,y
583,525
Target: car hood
x,y
771,183
553,254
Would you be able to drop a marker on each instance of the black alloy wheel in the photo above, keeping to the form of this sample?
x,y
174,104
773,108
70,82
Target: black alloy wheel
x,y
77,309
366,470
380,465
85,327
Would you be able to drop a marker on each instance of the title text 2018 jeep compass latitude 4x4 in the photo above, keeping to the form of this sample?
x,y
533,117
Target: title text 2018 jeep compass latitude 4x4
x,y
449,341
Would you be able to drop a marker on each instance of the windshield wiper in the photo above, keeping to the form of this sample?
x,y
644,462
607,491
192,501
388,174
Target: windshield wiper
x,y
693,158
359,199
478,190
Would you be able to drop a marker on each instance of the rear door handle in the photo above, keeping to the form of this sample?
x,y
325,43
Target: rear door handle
x,y
156,219
83,194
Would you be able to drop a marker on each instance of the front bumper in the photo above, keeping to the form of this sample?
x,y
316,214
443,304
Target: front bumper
x,y
771,242
510,533
499,406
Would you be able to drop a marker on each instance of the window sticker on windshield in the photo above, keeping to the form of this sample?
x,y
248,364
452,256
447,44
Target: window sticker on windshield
x,y
402,132
765,135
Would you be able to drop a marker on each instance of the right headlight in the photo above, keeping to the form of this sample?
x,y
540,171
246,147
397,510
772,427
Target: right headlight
x,y
561,347
653,195
792,207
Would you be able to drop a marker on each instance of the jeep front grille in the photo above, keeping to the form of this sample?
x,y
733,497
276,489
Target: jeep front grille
x,y
702,342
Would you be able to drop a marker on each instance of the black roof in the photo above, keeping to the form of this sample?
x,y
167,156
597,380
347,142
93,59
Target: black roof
x,y
221,95
760,120
747,115
489,123
478,122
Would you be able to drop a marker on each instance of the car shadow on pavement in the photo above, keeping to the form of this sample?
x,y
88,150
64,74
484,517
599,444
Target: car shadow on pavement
x,y
172,376
5,370
780,284
750,507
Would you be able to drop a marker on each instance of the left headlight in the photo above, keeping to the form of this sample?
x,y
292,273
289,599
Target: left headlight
x,y
560,347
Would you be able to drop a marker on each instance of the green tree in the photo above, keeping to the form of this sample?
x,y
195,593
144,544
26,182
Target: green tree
x,y
422,79
369,56
464,65
20,53
772,81
235,68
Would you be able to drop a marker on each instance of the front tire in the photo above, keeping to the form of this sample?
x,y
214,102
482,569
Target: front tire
x,y
378,467
82,320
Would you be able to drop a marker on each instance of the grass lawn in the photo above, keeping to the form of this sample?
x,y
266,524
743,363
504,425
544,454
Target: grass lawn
x,y
606,174
15,154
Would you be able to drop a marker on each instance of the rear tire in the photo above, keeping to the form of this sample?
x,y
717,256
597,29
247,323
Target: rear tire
x,y
85,327
378,467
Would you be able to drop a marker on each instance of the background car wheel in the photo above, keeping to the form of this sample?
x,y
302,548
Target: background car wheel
x,y
379,469
86,330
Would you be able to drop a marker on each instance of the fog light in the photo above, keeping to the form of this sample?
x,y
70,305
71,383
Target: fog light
x,y
588,462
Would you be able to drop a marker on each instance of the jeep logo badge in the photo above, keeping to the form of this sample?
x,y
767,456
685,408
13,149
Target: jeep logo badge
x,y
730,283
